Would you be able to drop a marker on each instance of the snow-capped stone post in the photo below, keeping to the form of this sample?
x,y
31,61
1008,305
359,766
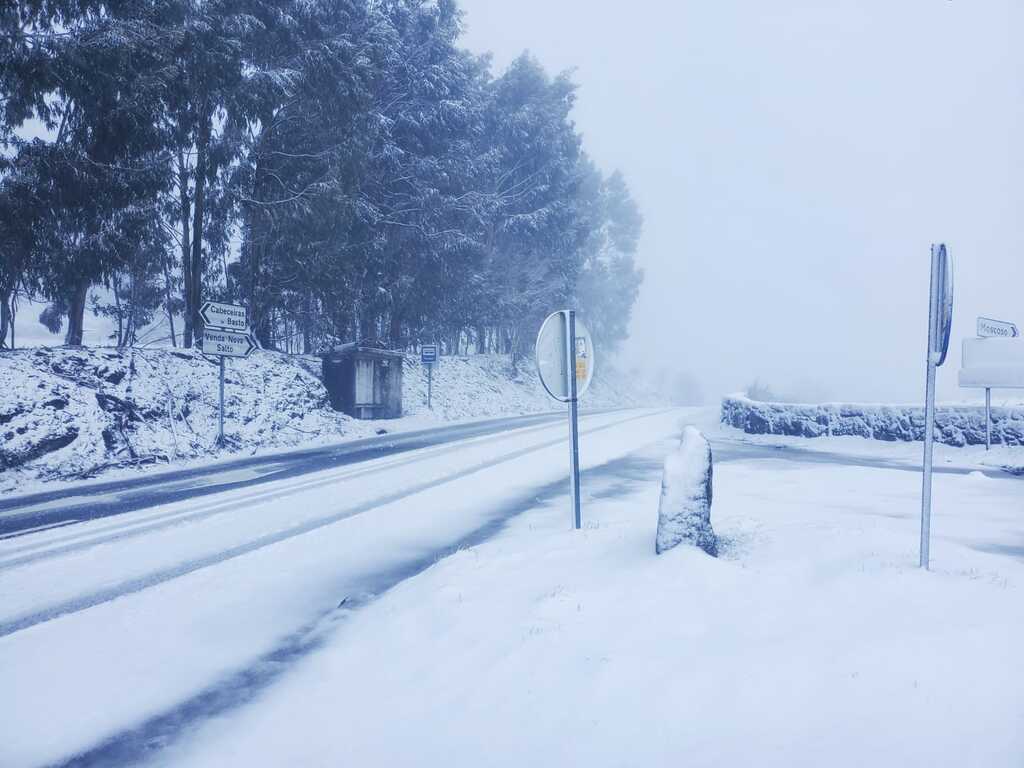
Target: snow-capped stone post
x,y
684,513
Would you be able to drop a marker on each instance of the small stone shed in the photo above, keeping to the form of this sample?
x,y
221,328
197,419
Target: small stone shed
x,y
364,380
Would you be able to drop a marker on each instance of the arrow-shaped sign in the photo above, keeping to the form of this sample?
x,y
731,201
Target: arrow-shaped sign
x,y
230,317
996,328
228,343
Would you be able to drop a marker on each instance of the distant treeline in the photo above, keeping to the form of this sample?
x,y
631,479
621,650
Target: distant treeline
x,y
341,167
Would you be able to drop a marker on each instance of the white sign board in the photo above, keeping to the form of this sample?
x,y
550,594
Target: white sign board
x,y
989,328
993,363
227,343
230,317
552,358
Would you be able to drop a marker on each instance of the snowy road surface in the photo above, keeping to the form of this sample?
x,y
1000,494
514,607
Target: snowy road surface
x,y
23,514
301,621
89,501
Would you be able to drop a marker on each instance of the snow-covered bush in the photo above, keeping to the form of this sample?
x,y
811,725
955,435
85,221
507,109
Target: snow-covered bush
x,y
954,425
684,512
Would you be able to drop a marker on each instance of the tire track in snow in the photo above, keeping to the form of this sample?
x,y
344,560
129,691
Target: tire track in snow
x,y
146,740
156,578
118,531
111,498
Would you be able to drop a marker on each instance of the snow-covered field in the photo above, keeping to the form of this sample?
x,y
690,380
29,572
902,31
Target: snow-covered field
x,y
435,609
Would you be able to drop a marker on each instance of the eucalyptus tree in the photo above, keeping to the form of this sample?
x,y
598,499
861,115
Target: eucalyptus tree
x,y
77,71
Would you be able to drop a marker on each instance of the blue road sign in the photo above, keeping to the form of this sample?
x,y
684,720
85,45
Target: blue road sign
x,y
428,353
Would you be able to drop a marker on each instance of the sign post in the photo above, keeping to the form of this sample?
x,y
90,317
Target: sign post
x,y
428,357
574,419
225,334
988,418
565,364
220,415
940,323
993,329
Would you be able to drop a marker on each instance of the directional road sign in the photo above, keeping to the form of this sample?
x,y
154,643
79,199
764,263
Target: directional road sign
x,y
989,328
228,343
230,317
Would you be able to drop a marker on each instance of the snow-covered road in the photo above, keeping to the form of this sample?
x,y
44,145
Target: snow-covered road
x,y
281,622
121,621
69,503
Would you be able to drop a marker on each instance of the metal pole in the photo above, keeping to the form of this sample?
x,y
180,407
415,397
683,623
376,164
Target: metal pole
x,y
220,438
988,419
929,413
574,456
430,384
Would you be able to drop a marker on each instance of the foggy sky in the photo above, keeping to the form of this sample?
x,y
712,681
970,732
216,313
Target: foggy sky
x,y
794,160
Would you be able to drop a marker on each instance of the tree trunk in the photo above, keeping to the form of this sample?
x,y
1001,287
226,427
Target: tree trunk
x,y
120,312
198,212
307,325
185,212
133,309
395,330
169,304
366,324
6,321
76,313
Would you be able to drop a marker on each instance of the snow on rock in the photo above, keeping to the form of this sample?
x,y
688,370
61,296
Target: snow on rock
x,y
954,425
76,412
684,512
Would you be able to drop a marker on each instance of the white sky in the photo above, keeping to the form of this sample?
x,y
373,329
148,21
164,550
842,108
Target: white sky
x,y
794,160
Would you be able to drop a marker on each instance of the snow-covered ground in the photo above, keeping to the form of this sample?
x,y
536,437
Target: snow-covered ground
x,y
435,609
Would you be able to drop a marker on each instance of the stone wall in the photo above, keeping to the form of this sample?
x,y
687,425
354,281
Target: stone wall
x,y
954,425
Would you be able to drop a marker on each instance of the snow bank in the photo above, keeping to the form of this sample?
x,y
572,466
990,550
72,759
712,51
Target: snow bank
x,y
684,512
954,425
69,413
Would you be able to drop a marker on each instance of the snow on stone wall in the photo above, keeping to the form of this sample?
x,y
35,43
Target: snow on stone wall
x,y
954,425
